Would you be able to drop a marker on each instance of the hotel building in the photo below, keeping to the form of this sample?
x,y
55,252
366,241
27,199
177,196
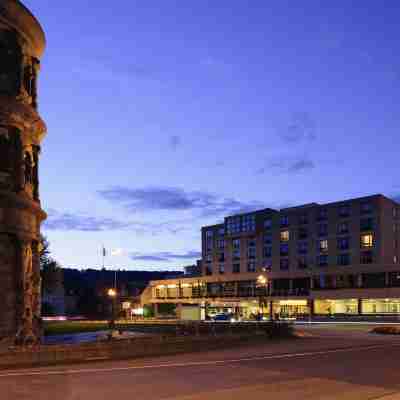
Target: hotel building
x,y
340,258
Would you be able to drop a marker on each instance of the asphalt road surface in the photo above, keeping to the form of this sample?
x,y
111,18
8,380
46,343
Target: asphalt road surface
x,y
334,363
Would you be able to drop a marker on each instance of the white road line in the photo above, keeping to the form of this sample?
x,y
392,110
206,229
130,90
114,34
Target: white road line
x,y
188,364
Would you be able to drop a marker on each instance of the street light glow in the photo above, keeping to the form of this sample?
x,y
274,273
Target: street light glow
x,y
112,292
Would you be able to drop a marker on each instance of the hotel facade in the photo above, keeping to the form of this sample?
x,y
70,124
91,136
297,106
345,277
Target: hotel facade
x,y
336,259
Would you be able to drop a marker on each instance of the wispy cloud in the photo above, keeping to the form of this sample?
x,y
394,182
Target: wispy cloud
x,y
68,221
77,222
176,199
165,256
301,128
288,166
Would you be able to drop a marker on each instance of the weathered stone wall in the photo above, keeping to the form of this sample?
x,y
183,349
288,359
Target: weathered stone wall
x,y
21,132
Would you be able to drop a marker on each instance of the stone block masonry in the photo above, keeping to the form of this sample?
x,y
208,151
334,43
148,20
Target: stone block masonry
x,y
22,42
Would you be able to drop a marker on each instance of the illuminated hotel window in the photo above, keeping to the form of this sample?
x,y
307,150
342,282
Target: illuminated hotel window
x,y
367,240
323,246
284,236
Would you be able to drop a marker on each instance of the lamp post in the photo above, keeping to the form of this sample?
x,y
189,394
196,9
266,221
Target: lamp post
x,y
261,283
112,294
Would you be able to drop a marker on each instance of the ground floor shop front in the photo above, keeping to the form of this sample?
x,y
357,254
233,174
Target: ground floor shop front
x,y
284,308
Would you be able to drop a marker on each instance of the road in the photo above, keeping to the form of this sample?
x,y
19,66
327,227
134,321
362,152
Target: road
x,y
333,363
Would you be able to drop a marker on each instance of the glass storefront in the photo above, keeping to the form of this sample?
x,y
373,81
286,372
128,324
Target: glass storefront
x,y
380,306
332,307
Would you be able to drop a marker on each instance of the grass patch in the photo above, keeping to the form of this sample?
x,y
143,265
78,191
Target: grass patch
x,y
69,327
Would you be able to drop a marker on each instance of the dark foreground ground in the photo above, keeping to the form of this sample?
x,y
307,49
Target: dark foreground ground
x,y
335,363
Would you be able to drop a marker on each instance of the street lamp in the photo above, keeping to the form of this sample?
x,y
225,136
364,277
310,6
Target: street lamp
x,y
261,283
112,294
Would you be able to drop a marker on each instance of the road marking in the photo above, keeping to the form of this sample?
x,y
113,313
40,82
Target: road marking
x,y
190,364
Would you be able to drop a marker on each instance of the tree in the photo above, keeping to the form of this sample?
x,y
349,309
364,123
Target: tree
x,y
51,272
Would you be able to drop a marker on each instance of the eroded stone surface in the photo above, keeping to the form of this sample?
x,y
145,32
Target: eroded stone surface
x,y
21,131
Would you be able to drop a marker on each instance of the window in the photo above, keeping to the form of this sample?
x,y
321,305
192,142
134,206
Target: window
x,y
251,248
323,230
303,233
220,243
221,257
343,259
268,223
394,259
208,271
236,268
233,225
251,252
209,258
251,266
322,246
302,263
209,234
365,207
367,240
366,224
322,214
344,211
268,265
343,227
284,249
343,243
284,264
284,220
303,219
267,238
248,223
302,247
394,212
322,260
366,257
221,268
267,251
236,248
284,236
221,231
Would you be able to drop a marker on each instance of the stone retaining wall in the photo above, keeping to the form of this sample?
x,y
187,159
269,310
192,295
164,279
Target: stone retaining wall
x,y
117,350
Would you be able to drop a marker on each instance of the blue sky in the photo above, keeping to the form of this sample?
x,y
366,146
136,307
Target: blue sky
x,y
164,116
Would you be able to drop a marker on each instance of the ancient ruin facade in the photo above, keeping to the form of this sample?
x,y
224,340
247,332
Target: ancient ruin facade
x,y
22,42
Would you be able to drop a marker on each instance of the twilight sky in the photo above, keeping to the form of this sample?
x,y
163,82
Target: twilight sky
x,y
164,116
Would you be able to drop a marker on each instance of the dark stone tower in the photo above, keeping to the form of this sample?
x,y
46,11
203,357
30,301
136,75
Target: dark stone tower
x,y
22,42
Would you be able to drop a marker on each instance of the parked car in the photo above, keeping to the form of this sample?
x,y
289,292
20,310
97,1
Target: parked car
x,y
222,317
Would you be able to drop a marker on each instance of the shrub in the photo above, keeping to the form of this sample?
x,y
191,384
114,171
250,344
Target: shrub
x,y
386,330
